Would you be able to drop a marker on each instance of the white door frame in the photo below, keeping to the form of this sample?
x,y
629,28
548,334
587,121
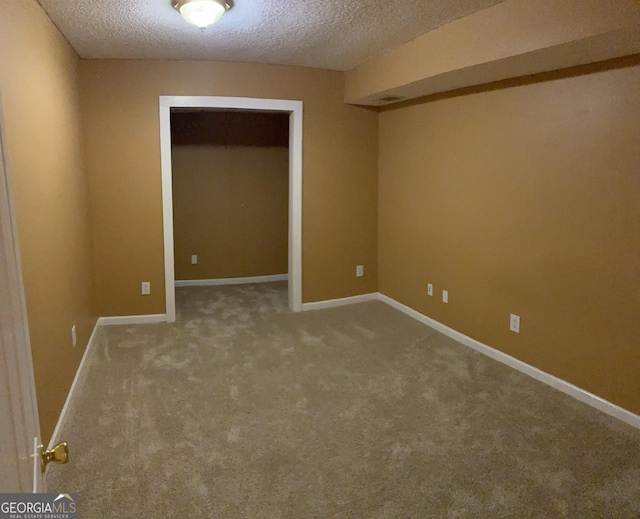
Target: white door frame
x,y
294,109
19,423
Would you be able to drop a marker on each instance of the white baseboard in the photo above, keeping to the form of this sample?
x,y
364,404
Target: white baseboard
x,y
561,385
62,419
132,319
331,303
230,281
555,382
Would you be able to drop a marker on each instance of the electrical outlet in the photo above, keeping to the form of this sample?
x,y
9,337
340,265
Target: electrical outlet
x,y
146,288
514,323
445,296
359,271
194,259
74,338
429,289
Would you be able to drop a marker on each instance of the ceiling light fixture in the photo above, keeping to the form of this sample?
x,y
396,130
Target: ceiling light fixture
x,y
201,13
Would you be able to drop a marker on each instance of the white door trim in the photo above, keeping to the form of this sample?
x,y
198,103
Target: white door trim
x,y
294,108
19,405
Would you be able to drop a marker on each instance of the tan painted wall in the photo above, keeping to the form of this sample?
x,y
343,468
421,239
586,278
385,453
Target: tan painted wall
x,y
120,100
524,198
509,39
38,84
230,206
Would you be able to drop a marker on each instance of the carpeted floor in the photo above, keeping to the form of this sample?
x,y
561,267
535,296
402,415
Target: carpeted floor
x,y
244,410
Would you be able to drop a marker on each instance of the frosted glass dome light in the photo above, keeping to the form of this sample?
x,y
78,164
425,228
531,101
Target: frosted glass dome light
x,y
201,13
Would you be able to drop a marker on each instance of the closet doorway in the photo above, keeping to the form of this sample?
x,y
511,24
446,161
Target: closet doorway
x,y
230,117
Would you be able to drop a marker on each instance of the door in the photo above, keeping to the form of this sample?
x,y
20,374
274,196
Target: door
x,y
19,425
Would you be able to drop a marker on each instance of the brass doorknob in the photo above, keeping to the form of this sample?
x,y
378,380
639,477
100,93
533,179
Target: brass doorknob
x,y
59,454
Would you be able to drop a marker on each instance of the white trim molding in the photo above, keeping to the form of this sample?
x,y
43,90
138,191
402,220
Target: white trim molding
x,y
230,281
62,419
331,303
132,319
561,385
294,109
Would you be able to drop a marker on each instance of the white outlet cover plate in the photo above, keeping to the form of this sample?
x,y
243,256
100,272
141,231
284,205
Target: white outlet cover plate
x,y
359,271
445,296
146,288
194,259
514,323
429,289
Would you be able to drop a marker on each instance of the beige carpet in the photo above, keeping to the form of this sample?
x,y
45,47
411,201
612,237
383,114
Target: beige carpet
x,y
244,410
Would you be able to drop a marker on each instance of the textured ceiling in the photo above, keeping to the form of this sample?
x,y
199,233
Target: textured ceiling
x,y
329,34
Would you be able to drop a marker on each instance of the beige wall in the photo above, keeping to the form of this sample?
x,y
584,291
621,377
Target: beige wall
x,y
120,101
510,39
230,206
524,198
40,99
